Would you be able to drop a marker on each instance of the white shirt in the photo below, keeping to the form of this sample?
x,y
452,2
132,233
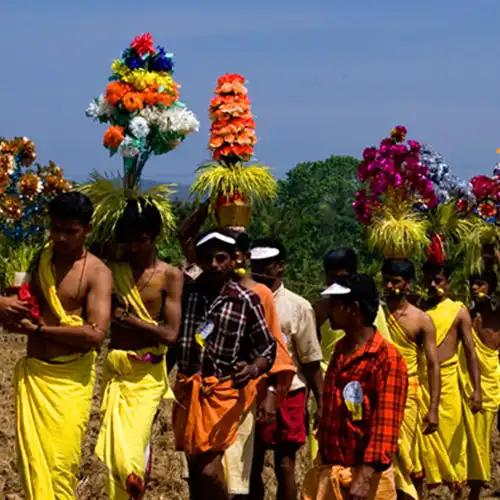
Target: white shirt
x,y
298,324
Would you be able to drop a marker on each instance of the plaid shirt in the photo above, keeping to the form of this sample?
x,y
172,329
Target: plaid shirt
x,y
240,331
371,438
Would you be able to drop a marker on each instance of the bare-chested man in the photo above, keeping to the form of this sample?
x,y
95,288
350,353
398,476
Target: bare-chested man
x,y
486,334
54,383
453,327
413,332
146,319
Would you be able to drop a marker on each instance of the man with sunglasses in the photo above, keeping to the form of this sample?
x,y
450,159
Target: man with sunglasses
x,y
224,346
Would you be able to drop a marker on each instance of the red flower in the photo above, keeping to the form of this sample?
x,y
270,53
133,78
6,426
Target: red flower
x,y
482,186
25,293
143,44
435,252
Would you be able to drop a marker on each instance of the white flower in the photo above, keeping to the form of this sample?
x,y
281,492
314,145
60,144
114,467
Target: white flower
x,y
127,148
139,127
99,107
177,119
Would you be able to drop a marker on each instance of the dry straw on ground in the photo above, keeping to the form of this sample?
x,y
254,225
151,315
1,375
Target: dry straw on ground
x,y
166,482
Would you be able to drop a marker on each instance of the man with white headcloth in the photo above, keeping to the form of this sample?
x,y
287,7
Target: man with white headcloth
x,y
288,432
224,346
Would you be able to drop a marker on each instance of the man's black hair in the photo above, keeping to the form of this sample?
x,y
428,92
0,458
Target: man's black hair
x,y
399,267
341,258
230,248
272,243
139,217
433,268
72,206
242,239
490,277
364,292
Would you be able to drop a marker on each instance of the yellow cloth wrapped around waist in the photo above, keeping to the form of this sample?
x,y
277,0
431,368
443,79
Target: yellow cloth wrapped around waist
x,y
478,426
48,286
53,402
134,385
126,289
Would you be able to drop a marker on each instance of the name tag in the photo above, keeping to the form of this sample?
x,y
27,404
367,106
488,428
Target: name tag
x,y
353,398
203,332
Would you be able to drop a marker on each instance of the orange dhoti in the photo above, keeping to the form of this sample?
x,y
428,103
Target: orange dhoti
x,y
207,412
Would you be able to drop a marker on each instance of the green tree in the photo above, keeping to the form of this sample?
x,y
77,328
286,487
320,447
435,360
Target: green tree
x,y
312,215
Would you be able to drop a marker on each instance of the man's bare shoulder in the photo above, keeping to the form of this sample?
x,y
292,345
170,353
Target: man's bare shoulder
x,y
170,272
98,270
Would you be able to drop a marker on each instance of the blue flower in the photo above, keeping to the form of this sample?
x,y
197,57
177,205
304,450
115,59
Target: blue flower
x,y
134,62
162,61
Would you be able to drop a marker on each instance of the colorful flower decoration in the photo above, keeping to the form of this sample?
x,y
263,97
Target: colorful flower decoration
x,y
26,190
141,104
397,186
230,183
487,192
232,134
446,185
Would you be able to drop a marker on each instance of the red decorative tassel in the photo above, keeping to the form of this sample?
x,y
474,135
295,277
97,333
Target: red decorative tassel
x,y
435,252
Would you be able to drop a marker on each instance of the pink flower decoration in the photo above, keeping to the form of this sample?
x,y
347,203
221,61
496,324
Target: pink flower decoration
x,y
369,154
143,44
482,186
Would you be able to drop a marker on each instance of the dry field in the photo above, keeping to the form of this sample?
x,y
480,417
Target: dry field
x,y
165,483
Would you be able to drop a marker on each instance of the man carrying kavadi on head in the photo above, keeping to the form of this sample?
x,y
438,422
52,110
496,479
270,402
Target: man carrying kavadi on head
x,y
55,381
146,318
453,329
224,346
486,334
412,332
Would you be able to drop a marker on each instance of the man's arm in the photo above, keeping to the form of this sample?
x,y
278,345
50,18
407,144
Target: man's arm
x,y
262,345
465,331
189,229
434,373
309,354
98,306
166,333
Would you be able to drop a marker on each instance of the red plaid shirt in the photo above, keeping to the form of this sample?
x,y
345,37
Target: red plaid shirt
x,y
370,438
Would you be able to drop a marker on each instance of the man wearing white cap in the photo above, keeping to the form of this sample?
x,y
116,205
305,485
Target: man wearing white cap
x,y
363,402
224,346
288,432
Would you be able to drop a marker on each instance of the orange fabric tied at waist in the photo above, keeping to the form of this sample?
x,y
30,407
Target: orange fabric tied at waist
x,y
208,411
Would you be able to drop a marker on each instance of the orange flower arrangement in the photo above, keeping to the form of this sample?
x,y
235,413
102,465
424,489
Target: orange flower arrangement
x,y
115,91
232,134
113,137
30,184
11,207
132,101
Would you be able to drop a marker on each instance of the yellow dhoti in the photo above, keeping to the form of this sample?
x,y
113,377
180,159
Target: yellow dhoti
x,y
451,424
53,401
135,384
478,426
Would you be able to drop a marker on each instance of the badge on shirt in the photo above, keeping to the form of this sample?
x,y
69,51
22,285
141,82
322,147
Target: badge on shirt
x,y
203,332
353,397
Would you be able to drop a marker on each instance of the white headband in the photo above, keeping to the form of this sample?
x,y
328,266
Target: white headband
x,y
336,289
216,236
262,253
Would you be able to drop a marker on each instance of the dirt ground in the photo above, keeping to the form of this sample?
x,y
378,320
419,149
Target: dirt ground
x,y
166,482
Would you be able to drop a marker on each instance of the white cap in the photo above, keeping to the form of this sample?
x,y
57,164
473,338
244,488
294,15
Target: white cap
x,y
262,253
336,289
214,235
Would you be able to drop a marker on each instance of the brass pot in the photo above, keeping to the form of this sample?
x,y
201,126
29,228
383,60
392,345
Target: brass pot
x,y
233,214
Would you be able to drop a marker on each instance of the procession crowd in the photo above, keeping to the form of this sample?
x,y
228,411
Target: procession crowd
x,y
405,391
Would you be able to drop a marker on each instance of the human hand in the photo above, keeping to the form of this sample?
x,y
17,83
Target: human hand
x,y
475,401
13,309
361,482
25,326
243,372
431,421
268,407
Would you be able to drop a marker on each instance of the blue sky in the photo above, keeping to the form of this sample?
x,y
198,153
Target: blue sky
x,y
324,76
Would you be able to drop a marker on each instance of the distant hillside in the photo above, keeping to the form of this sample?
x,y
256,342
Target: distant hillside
x,y
182,190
